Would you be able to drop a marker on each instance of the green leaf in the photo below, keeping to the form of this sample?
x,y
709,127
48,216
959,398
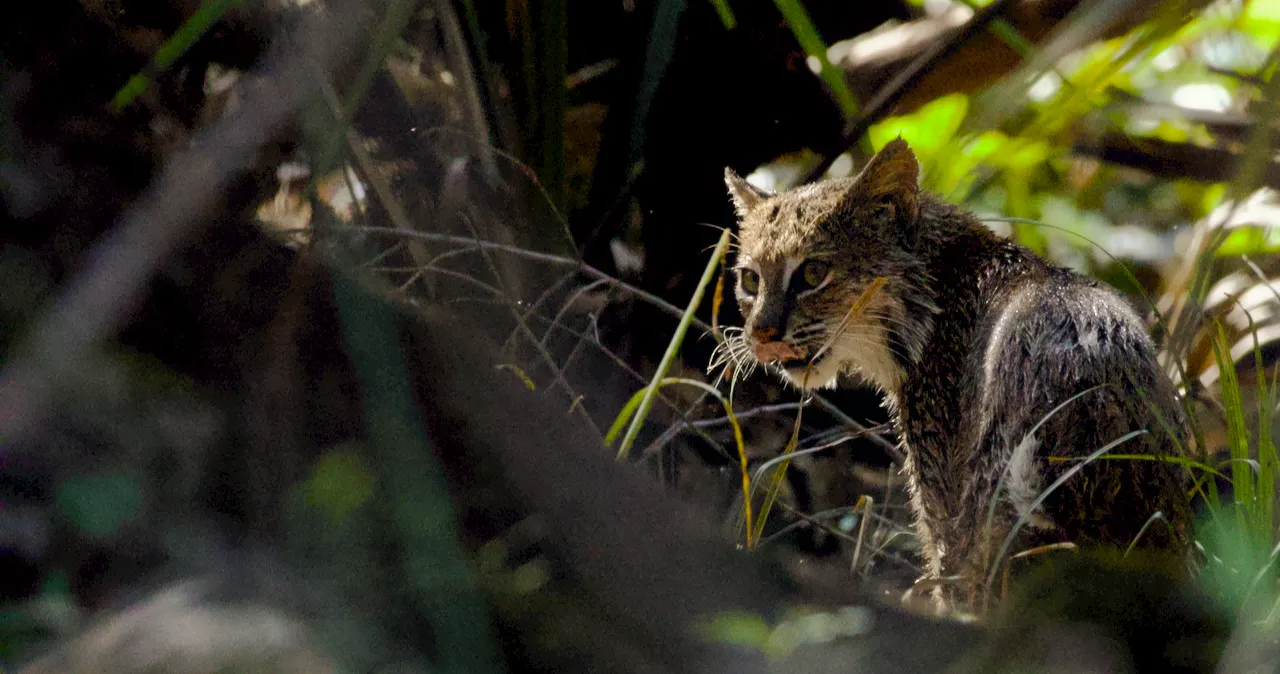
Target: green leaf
x,y
100,504
928,129
1261,21
339,484
1250,241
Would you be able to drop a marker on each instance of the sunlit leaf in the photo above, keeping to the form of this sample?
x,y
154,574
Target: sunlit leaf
x,y
1250,241
1204,198
926,129
1261,22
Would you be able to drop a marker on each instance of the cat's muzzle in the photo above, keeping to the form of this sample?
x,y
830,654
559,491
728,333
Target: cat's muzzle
x,y
779,353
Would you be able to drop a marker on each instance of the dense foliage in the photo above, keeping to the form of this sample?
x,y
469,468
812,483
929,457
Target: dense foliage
x,y
378,320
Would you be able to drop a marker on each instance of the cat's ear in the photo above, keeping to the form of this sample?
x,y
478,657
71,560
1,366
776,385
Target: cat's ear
x,y
745,195
891,181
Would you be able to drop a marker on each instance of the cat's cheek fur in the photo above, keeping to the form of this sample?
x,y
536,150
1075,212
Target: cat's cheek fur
x,y
869,357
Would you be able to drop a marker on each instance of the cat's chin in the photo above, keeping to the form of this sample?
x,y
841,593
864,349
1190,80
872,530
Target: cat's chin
x,y
823,374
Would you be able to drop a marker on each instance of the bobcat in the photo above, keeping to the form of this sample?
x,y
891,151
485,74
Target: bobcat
x,y
1000,371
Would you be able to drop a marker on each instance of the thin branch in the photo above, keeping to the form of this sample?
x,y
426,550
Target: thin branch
x,y
589,271
1172,160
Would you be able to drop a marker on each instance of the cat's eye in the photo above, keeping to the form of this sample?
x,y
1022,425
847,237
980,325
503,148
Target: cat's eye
x,y
813,273
750,281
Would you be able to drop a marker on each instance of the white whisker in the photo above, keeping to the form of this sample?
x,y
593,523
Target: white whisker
x,y
732,357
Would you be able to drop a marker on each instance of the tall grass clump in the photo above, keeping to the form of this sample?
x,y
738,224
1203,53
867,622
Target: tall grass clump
x,y
1237,529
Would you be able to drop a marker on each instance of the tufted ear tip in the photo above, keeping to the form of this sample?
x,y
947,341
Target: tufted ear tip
x,y
745,195
893,175
898,162
897,146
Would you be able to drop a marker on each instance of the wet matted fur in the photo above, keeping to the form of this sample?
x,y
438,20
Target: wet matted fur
x,y
1001,372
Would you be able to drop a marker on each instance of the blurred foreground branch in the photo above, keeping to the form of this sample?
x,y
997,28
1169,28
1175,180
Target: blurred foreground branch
x,y
116,272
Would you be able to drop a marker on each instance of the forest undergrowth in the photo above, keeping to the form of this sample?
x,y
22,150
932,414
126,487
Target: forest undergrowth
x,y
209,325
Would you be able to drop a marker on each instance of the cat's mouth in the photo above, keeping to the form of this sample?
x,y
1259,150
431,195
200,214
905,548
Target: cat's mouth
x,y
781,354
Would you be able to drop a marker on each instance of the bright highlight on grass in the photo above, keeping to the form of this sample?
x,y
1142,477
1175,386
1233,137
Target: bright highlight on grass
x,y
673,347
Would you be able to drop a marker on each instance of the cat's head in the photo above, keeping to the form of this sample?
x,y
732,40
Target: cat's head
x,y
806,255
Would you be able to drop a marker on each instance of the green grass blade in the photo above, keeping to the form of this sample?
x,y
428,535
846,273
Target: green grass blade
x,y
1176,460
435,566
629,409
726,14
775,481
393,21
674,346
1155,517
547,99
663,35
188,34
1264,396
1242,474
811,42
1006,32
624,415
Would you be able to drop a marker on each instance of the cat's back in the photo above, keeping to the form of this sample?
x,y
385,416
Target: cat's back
x,y
1069,366
1056,330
